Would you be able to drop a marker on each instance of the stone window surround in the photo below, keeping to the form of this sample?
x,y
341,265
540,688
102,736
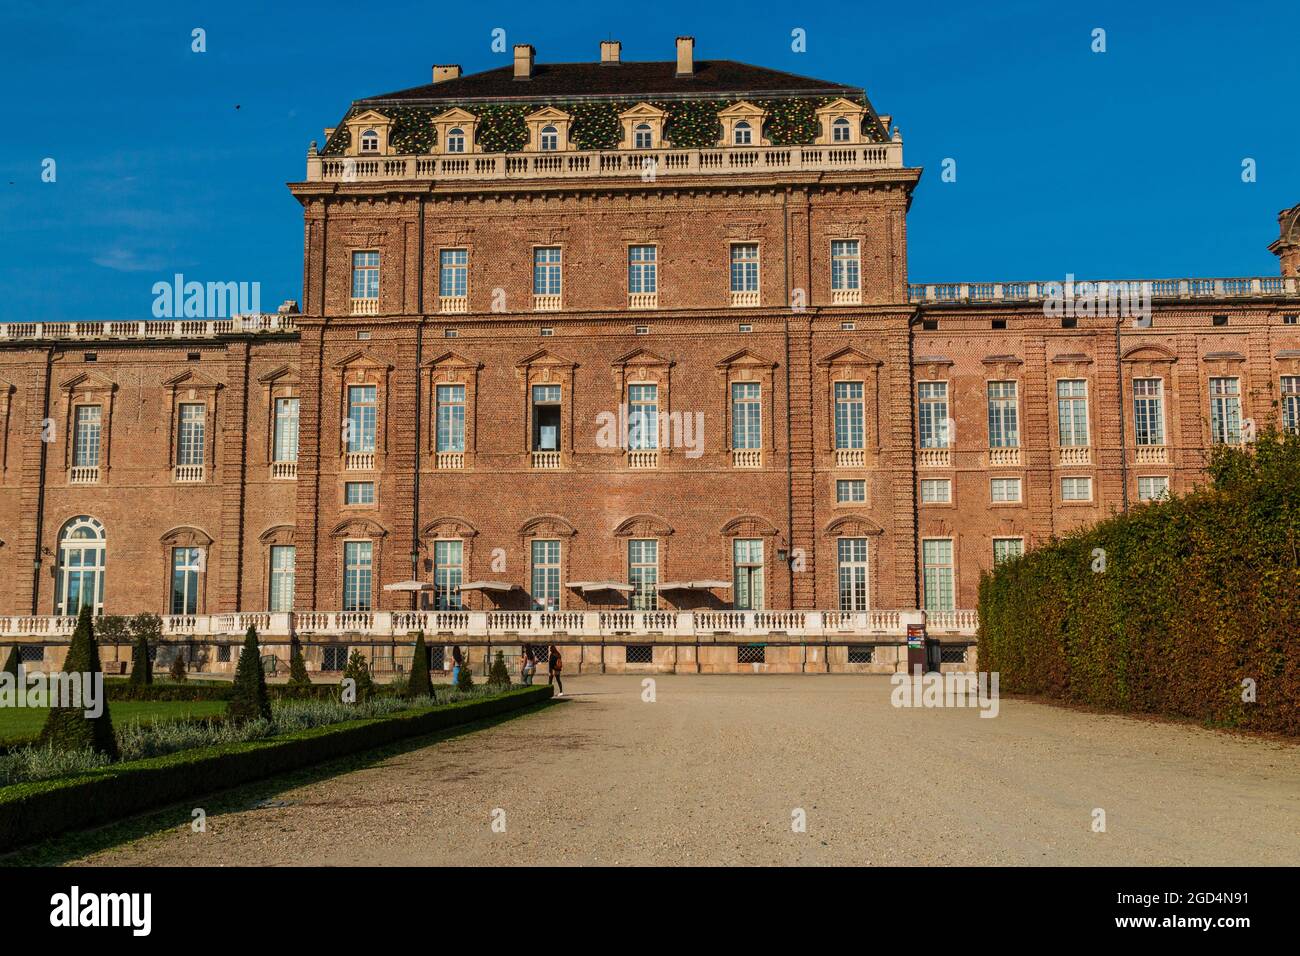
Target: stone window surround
x,y
364,368
275,536
543,367
185,536
452,368
186,389
367,120
748,366
839,109
87,388
283,382
851,365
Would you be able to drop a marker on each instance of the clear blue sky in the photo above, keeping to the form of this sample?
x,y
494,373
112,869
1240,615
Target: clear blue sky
x,y
1121,164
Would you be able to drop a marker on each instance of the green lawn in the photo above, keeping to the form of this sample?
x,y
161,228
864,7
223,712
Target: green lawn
x,y
24,723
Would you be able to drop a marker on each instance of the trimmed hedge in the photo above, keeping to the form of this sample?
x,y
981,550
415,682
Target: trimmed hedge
x,y
1198,595
34,811
214,690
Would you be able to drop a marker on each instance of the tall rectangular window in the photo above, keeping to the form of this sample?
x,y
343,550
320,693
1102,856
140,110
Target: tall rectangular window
x,y
845,265
1072,412
365,275
190,437
361,418
85,446
746,415
1148,412
1003,490
1225,411
744,267
643,416
1003,428
1153,487
1291,403
850,415
546,575
932,414
853,574
283,565
448,570
642,274
453,273
1076,489
748,564
187,563
546,418
285,445
450,416
357,569
643,573
937,574
936,491
546,270
1004,549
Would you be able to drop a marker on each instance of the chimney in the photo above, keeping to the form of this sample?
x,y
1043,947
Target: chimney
x,y
523,61
685,56
609,52
442,73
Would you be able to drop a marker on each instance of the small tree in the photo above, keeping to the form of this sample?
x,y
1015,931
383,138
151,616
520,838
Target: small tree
x,y
464,679
250,701
141,666
13,662
420,684
68,728
177,672
298,678
498,676
359,671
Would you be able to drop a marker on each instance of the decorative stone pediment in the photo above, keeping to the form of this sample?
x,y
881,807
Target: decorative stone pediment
x,y
449,526
363,123
456,119
743,112
541,120
191,382
85,383
547,526
284,375
849,357
745,358
358,528
852,526
545,366
1148,353
277,534
643,526
839,109
361,359
647,115
641,358
1002,366
186,537
453,360
748,526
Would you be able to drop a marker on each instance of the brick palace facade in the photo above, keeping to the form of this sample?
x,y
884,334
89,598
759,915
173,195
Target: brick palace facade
x,y
621,356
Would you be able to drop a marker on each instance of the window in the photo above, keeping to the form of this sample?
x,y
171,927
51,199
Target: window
x,y
743,134
851,490
643,573
456,140
546,270
285,442
936,491
1153,487
365,275
642,416
85,444
744,267
334,658
546,575
1072,412
186,565
748,563
849,415
80,579
640,654
1003,431
361,418
860,654
643,136
937,574
641,269
1005,489
450,417
1290,319
932,414
840,131
550,138
1225,411
356,575
370,141
1148,412
1291,403
284,559
546,418
359,493
1004,549
844,265
1218,320
548,330
448,572
1076,489
223,654
853,574
189,444
453,273
746,415
751,654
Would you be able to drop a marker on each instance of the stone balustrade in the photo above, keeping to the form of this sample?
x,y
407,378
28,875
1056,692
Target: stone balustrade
x,y
149,328
975,293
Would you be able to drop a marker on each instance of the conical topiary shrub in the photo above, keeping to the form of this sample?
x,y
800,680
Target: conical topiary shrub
x,y
141,666
498,676
420,684
178,672
13,662
464,677
358,670
68,728
250,701
298,678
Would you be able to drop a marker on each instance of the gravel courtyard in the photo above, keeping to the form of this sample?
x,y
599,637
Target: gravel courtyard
x,y
712,771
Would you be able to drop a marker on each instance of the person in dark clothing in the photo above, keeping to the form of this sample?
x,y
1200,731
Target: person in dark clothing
x,y
456,662
555,664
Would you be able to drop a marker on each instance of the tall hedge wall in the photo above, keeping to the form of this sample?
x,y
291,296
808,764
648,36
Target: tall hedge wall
x,y
1168,609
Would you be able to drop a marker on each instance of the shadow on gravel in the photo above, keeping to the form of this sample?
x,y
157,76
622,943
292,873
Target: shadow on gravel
x,y
251,797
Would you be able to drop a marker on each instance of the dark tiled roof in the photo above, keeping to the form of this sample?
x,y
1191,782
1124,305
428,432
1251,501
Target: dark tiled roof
x,y
554,80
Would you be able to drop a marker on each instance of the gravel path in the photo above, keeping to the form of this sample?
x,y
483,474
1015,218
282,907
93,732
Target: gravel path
x,y
713,770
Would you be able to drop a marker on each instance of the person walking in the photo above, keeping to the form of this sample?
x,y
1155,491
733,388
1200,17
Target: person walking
x,y
529,665
555,664
456,662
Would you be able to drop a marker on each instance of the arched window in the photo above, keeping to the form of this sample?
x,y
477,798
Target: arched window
x,y
840,131
744,134
370,141
80,578
456,140
550,138
643,136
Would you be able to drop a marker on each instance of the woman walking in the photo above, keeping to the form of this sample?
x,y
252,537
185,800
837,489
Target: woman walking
x,y
555,664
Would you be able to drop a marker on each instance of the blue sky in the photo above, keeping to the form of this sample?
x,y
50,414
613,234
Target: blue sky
x,y
1117,164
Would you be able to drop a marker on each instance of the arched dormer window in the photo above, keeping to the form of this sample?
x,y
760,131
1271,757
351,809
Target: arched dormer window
x,y
80,578
644,136
370,141
840,131
456,140
743,134
550,138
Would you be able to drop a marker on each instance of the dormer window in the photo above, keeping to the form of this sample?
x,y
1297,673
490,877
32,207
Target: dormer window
x,y
840,131
644,136
550,139
456,140
370,141
743,134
